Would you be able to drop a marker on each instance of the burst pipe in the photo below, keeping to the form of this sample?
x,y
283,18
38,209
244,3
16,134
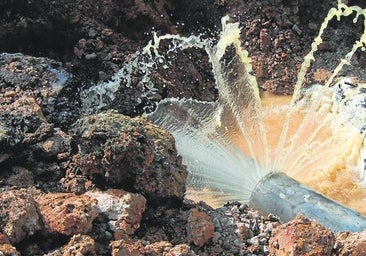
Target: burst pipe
x,y
285,197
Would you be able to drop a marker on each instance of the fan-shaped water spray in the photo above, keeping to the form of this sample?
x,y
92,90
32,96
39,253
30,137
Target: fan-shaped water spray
x,y
239,147
225,146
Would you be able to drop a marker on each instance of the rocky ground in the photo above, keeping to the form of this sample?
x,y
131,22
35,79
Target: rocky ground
x,y
110,182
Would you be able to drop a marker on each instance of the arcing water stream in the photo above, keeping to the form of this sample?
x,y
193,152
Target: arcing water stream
x,y
238,147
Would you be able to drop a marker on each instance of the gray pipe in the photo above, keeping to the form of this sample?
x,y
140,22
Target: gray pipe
x,y
285,197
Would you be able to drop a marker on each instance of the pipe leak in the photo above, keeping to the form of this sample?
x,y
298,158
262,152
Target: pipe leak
x,y
239,148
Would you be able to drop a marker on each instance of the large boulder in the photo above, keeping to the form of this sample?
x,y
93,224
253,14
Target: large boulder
x,y
29,92
129,153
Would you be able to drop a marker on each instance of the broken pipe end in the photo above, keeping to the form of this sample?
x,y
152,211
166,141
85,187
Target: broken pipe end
x,y
285,197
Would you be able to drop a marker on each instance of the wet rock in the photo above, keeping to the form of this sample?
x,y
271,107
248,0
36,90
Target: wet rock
x,y
124,210
110,31
66,213
42,162
200,228
301,237
95,38
351,244
130,153
36,76
19,214
40,79
57,147
21,122
29,88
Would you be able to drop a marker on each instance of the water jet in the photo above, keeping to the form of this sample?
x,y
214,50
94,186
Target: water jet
x,y
226,144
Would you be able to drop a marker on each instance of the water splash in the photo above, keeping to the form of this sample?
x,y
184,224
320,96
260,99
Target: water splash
x,y
99,96
225,145
231,145
342,10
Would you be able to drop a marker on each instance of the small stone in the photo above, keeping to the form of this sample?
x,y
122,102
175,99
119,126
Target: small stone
x,y
254,241
74,19
243,208
91,56
107,32
297,29
10,93
216,237
127,247
244,232
100,44
351,243
200,228
63,156
159,248
312,26
73,183
67,214
124,210
4,239
58,145
8,250
265,40
181,250
82,43
77,52
301,237
19,215
80,245
92,33
103,76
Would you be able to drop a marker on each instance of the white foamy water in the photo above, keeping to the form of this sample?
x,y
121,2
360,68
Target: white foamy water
x,y
317,136
225,144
